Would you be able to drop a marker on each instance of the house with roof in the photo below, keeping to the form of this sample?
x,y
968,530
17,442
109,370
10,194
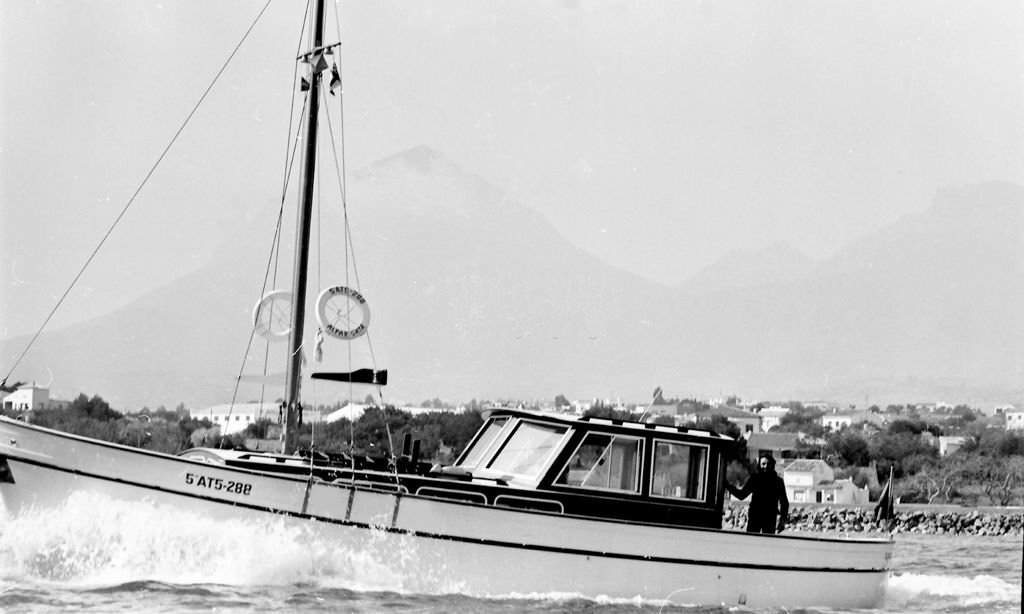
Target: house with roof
x,y
949,444
748,422
837,420
811,480
670,410
1014,419
778,445
352,411
772,416
233,418
28,398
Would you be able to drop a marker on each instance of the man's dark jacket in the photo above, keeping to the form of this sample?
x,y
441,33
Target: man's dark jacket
x,y
769,505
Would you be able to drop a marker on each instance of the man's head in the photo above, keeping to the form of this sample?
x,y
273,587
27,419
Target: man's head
x,y
766,463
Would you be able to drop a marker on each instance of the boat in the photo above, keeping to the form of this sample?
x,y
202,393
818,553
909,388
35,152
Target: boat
x,y
537,502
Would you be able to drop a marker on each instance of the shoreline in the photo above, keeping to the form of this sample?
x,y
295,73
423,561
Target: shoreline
x,y
923,519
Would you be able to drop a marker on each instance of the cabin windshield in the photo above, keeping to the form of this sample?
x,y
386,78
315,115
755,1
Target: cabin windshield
x,y
476,453
528,449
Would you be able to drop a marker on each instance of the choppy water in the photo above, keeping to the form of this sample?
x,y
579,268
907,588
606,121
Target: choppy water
x,y
102,556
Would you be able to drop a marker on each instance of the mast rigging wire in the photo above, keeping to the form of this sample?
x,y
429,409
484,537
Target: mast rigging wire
x,y
131,200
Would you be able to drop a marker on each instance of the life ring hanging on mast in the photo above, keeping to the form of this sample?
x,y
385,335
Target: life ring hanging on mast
x,y
343,312
271,317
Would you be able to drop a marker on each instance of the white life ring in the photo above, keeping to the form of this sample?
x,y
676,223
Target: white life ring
x,y
336,317
271,317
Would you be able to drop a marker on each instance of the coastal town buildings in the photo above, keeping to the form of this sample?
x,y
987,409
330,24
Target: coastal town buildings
x,y
1014,419
748,422
949,444
779,445
813,481
772,416
29,398
234,418
837,420
668,410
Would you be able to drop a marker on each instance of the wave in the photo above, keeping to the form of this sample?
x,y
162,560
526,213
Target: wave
x,y
948,593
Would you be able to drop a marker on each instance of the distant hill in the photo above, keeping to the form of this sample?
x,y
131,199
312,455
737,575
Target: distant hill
x,y
925,309
475,295
742,268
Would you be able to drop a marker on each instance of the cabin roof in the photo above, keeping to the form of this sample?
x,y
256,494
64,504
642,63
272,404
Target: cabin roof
x,y
575,421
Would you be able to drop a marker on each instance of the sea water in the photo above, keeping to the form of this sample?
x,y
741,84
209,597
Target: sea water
x,y
100,555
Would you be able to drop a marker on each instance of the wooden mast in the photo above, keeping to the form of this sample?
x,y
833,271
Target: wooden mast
x,y
302,227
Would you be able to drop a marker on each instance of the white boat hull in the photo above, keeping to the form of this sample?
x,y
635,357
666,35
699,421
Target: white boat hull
x,y
491,551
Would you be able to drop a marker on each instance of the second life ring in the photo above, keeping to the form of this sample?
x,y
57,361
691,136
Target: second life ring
x,y
343,312
271,317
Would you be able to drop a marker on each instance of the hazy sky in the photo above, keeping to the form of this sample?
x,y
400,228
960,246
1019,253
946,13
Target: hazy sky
x,y
657,135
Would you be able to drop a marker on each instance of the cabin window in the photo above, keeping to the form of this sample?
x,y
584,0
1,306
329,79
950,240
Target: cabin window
x,y
680,471
603,461
528,449
475,454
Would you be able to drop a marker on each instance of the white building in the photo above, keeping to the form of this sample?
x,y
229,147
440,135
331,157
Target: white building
x,y
748,422
352,411
772,416
234,418
1014,420
836,422
813,481
26,398
948,444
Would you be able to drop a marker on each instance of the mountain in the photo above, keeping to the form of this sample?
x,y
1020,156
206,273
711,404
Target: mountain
x,y
744,268
474,295
467,290
925,307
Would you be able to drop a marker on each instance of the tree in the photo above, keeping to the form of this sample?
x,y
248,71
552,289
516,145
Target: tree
x,y
890,449
720,424
562,402
1000,478
95,408
600,410
965,413
205,437
800,419
937,479
849,447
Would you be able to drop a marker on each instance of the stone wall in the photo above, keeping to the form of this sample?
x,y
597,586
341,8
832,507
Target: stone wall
x,y
936,520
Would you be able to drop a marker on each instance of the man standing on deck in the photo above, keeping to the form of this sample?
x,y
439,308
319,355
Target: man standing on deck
x,y
769,505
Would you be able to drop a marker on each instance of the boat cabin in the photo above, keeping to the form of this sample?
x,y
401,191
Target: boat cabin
x,y
601,467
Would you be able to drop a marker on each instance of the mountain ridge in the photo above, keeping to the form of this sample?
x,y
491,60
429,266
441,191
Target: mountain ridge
x,y
475,295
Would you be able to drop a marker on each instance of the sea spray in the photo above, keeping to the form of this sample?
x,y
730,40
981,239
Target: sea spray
x,y
924,591
93,540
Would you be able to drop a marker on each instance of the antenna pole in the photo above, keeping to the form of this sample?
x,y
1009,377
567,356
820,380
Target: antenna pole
x,y
302,228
